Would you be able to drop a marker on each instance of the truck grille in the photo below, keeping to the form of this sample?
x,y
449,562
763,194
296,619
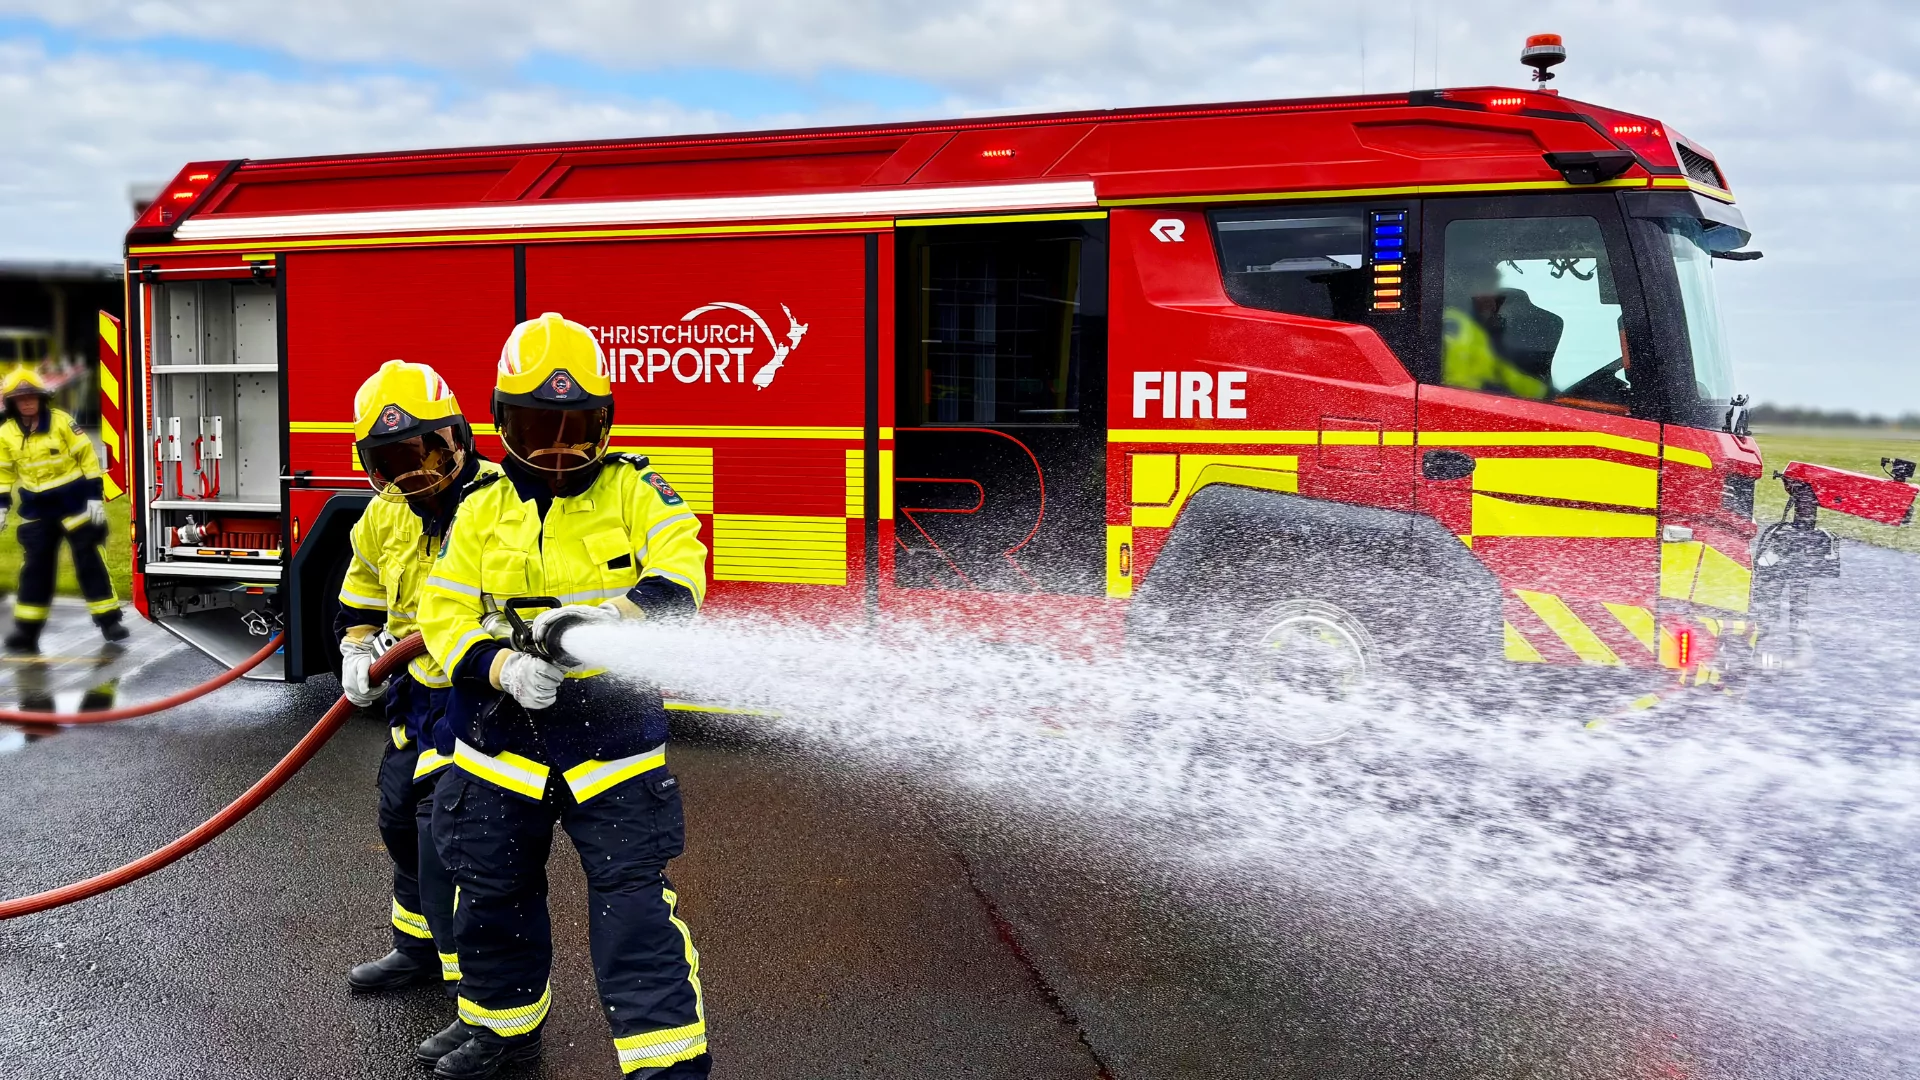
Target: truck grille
x,y
1737,495
1700,167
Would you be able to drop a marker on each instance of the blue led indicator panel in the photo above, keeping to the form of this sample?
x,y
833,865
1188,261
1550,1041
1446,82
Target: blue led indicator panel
x,y
1387,231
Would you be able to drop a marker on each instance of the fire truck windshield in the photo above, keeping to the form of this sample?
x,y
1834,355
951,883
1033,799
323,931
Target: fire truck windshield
x,y
1689,242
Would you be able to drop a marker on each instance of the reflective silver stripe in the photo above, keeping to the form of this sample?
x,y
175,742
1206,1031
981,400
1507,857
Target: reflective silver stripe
x,y
452,586
654,571
507,1022
666,1050
677,517
591,594
467,641
424,674
430,761
399,733
502,773
377,603
586,782
355,548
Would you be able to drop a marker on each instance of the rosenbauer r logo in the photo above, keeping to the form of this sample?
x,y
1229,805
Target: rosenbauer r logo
x,y
715,343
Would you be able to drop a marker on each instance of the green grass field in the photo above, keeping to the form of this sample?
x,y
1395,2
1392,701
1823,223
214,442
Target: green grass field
x,y
1859,451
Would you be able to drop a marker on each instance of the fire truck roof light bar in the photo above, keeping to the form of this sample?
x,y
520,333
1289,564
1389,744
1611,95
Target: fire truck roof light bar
x,y
1047,195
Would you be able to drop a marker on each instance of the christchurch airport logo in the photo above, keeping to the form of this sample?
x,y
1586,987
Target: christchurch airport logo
x,y
714,343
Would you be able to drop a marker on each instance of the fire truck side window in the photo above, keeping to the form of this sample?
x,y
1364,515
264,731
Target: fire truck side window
x,y
1531,309
1001,323
1309,261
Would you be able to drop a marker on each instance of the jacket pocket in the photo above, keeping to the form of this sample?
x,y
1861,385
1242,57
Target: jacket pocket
x,y
503,573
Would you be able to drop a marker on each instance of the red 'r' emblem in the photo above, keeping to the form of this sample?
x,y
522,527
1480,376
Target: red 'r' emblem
x,y
391,417
562,386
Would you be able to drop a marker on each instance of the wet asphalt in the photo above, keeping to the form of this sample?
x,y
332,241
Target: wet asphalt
x,y
851,924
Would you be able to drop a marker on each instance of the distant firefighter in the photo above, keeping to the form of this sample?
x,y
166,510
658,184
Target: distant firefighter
x,y
51,464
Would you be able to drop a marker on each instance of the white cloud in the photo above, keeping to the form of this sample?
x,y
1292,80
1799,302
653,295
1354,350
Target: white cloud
x,y
1814,113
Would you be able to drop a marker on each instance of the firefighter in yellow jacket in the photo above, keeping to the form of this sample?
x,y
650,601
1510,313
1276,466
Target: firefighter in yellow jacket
x,y
607,538
50,468
417,449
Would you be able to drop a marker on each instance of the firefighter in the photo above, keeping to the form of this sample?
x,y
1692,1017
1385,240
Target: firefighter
x,y
56,471
610,539
1468,357
417,449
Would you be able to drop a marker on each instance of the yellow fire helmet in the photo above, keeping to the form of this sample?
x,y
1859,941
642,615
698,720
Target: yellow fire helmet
x,y
407,425
552,400
23,379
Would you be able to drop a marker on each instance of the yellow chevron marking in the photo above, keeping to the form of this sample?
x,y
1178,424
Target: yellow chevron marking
x,y
110,337
1562,621
1519,649
1637,620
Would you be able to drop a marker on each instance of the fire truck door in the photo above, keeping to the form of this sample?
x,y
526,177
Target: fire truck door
x,y
1000,430
1531,444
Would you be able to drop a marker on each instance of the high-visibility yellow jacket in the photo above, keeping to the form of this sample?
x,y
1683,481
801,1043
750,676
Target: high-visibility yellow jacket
x,y
393,554
1468,360
628,534
54,467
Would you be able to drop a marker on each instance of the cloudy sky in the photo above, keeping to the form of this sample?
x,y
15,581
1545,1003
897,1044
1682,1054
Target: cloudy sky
x,y
1812,109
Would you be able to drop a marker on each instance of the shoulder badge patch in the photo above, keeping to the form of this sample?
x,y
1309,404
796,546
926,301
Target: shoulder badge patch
x,y
667,494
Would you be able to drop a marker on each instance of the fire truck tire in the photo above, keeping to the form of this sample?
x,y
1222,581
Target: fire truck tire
x,y
1238,560
1312,649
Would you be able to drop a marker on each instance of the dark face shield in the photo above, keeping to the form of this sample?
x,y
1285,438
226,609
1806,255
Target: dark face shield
x,y
415,468
555,441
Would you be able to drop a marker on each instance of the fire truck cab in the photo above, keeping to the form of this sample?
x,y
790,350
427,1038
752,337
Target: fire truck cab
x,y
1435,376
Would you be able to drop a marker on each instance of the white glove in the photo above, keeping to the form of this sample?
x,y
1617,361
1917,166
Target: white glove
x,y
4,511
356,669
533,682
96,512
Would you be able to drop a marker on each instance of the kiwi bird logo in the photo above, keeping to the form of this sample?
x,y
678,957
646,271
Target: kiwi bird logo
x,y
781,350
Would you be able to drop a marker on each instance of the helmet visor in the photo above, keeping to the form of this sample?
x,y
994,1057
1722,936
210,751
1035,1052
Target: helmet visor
x,y
555,441
413,468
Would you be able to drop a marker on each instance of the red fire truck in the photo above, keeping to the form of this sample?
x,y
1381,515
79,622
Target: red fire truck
x,y
1433,375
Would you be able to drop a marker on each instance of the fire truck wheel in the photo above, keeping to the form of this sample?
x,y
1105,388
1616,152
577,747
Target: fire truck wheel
x,y
1308,649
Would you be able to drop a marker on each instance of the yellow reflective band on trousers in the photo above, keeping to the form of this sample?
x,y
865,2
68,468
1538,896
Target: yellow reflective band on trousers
x,y
590,778
410,923
102,607
450,967
508,1022
523,776
430,762
31,612
399,735
659,1049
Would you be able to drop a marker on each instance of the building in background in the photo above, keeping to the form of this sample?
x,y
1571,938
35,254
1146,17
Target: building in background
x,y
49,315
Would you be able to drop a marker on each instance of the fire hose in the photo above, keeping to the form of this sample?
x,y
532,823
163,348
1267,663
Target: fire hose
x,y
329,725
44,719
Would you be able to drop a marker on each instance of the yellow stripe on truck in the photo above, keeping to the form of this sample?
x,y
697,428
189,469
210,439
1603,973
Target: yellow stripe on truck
x,y
1563,622
1498,517
1572,479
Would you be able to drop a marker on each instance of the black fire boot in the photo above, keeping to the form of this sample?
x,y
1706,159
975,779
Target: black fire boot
x,y
111,627
486,1054
25,637
393,971
445,1042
